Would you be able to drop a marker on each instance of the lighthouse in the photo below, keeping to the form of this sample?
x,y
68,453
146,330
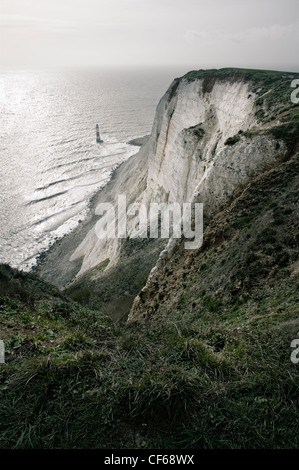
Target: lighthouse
x,y
99,140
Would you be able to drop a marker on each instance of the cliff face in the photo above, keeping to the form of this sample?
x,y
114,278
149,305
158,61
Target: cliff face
x,y
214,131
186,155
189,132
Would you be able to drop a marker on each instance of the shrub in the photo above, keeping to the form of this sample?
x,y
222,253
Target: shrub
x,y
232,140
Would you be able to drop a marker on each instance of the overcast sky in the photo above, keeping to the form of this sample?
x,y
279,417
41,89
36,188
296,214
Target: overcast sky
x,y
194,33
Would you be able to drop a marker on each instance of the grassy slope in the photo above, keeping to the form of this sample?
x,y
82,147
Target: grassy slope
x,y
209,367
272,91
113,291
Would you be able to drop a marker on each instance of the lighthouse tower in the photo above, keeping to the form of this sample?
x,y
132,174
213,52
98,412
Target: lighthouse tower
x,y
99,140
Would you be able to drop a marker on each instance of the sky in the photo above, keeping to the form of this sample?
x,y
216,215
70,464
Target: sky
x,y
192,33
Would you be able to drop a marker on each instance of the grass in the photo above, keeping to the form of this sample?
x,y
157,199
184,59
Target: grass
x,y
289,130
256,75
84,382
209,367
114,290
271,91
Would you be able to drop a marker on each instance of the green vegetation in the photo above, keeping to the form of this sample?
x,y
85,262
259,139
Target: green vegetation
x,y
267,77
232,140
209,368
289,130
271,91
74,379
198,131
114,290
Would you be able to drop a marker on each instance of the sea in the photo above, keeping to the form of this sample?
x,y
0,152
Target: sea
x,y
51,165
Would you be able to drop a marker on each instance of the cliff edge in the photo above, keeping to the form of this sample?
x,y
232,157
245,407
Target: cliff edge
x,y
214,132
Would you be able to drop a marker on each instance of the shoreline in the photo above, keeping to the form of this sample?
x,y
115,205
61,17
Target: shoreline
x,y
91,205
55,258
138,142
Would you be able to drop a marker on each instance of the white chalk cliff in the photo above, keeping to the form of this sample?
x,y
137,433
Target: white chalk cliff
x,y
186,157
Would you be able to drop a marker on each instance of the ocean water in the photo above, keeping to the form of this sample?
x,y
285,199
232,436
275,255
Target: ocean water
x,y
51,164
